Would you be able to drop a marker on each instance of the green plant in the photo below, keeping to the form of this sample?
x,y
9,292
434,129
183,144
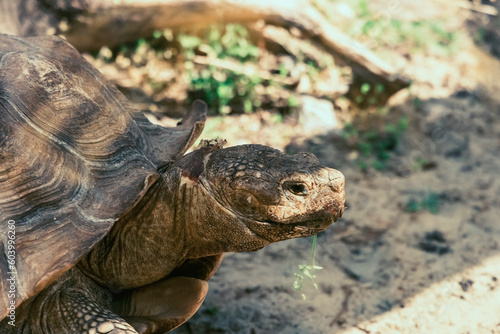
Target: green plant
x,y
417,102
221,67
212,310
216,85
375,147
430,202
306,271
420,163
384,29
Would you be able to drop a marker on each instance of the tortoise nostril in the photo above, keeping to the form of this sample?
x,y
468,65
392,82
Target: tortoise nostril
x,y
337,186
337,181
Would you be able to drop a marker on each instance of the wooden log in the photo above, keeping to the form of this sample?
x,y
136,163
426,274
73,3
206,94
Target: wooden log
x,y
94,23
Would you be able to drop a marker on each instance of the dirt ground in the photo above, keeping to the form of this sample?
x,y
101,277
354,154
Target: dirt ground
x,y
386,270
418,249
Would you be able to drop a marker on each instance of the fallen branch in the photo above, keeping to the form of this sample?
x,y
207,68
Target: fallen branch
x,y
246,69
477,7
90,24
280,38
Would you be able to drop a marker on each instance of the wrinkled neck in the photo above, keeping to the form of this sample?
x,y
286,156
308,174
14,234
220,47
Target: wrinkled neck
x,y
145,245
176,220
212,229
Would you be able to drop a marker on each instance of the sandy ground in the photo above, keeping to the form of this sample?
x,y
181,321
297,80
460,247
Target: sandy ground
x,y
386,270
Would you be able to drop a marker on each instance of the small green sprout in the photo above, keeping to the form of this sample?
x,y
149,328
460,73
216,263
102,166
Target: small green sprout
x,y
306,271
431,202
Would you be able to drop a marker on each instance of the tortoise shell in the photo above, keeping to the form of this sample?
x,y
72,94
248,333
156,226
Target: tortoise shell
x,y
74,157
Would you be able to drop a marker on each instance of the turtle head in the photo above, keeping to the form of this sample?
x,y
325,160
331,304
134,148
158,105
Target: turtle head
x,y
277,196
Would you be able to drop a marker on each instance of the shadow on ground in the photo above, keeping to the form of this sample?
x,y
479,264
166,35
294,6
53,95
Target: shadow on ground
x,y
417,250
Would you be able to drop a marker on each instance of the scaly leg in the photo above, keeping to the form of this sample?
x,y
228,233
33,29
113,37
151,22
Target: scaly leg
x,y
72,311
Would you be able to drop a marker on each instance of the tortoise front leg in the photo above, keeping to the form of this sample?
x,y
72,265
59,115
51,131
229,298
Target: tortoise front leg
x,y
161,306
71,311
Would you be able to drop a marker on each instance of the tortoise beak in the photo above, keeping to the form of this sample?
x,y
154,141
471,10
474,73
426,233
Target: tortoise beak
x,y
339,214
341,211
337,185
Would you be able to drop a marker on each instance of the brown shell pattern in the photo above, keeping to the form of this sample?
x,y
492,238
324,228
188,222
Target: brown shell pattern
x,y
74,157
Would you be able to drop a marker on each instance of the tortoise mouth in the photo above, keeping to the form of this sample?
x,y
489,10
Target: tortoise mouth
x,y
273,231
298,226
330,213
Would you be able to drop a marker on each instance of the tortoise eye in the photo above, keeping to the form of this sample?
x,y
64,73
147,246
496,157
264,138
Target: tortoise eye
x,y
296,188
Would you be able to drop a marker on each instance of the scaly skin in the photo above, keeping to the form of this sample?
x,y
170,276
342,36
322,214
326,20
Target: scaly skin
x,y
209,202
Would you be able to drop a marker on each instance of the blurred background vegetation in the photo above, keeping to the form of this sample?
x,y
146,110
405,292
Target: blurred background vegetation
x,y
236,70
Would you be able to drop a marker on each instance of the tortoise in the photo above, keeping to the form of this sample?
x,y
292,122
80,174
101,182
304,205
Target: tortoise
x,y
110,227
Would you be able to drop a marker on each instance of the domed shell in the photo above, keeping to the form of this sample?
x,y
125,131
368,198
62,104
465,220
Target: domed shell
x,y
74,157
